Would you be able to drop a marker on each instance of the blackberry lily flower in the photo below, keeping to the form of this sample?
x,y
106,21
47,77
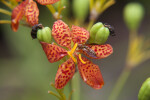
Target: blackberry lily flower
x,y
77,36
29,9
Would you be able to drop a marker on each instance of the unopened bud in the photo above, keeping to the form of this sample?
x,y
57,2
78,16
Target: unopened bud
x,y
80,9
133,14
144,93
98,34
44,34
102,35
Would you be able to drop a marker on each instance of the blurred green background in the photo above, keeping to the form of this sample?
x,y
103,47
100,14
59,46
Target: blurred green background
x,y
25,73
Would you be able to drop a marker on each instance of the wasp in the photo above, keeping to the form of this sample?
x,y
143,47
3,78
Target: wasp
x,y
35,29
87,50
111,29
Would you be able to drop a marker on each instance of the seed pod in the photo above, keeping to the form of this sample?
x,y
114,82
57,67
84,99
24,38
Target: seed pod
x,y
144,93
98,34
133,14
44,34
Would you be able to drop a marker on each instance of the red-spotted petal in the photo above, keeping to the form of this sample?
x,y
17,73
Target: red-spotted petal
x,y
53,52
64,73
101,51
90,73
79,35
16,16
32,13
46,2
61,34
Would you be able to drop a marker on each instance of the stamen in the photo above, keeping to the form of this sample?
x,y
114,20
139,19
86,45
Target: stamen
x,y
5,12
74,48
5,22
60,10
72,51
81,59
69,53
51,8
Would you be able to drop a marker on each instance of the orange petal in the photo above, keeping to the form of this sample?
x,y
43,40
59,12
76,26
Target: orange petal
x,y
16,16
90,73
61,34
79,35
53,52
101,51
85,49
32,13
46,2
64,73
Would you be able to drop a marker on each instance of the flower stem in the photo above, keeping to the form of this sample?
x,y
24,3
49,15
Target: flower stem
x,y
51,8
107,5
5,21
52,93
7,4
90,24
126,71
75,83
5,12
91,4
120,83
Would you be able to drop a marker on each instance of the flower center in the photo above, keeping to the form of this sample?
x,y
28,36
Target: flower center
x,y
71,52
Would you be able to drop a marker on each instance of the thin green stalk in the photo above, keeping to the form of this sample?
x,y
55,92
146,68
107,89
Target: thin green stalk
x,y
126,71
5,22
51,8
70,95
91,4
5,12
90,24
54,94
75,83
120,84
60,92
7,4
107,5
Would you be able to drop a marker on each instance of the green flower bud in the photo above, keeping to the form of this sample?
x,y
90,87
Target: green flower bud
x,y
133,14
144,93
80,9
98,34
94,30
44,34
102,35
